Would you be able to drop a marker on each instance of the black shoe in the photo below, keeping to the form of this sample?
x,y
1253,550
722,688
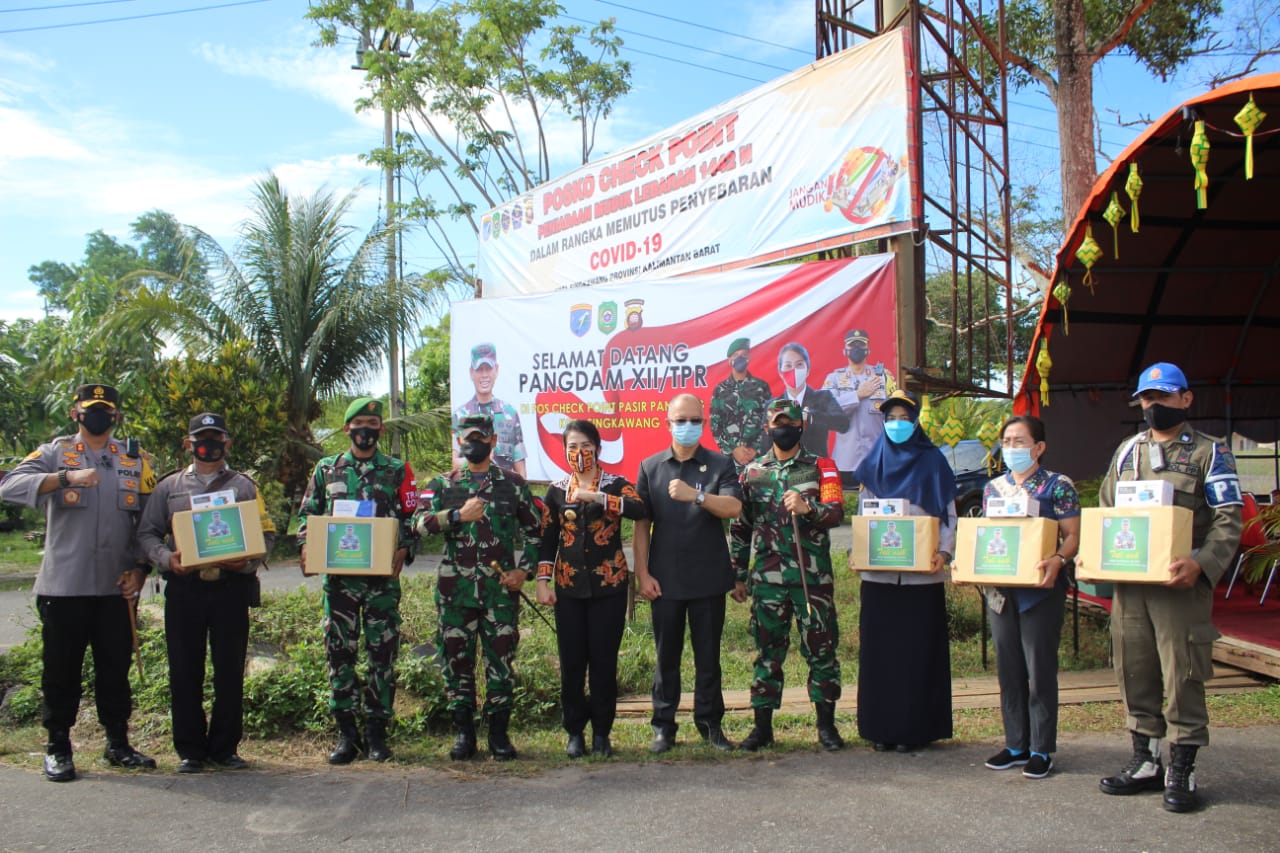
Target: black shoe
x,y
904,748
714,738
1006,759
1144,772
663,740
1180,779
828,735
349,745
58,766
881,746
761,734
123,755
577,746
500,746
600,746
232,762
375,735
464,741
190,765
1038,767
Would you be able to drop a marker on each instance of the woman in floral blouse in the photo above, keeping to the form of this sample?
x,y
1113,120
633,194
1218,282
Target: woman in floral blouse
x,y
583,572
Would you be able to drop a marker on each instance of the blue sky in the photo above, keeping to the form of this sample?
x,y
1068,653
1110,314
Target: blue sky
x,y
183,112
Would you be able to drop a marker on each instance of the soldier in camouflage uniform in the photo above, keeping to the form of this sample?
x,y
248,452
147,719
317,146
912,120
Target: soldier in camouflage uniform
x,y
492,525
368,605
789,481
510,451
737,409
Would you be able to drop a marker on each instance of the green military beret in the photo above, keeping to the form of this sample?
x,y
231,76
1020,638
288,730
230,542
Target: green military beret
x,y
786,406
362,406
738,343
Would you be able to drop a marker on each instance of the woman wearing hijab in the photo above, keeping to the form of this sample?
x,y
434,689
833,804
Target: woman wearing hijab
x,y
1026,622
583,572
904,663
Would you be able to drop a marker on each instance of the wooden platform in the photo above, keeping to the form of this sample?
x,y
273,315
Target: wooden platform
x,y
1074,688
1248,656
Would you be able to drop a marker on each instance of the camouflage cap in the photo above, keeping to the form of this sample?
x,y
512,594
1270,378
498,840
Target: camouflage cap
x,y
483,354
97,395
785,406
482,424
362,406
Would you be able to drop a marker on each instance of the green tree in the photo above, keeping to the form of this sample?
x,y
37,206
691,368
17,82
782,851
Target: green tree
x,y
429,444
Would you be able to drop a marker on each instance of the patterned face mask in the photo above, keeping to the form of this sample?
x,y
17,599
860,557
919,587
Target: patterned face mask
x,y
364,438
583,459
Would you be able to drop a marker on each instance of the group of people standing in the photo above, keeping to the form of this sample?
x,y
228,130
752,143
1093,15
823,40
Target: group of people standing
x,y
106,513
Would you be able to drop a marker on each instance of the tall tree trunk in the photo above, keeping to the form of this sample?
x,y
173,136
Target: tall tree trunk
x,y
1074,106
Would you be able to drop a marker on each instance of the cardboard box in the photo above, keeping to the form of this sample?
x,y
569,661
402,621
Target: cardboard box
x,y
1003,551
894,544
1144,493
1132,544
1020,506
219,534
340,545
882,506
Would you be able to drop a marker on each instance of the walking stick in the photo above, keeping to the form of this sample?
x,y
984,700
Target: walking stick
x,y
804,581
133,629
527,600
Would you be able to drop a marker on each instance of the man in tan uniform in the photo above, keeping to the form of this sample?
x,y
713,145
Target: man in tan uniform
x,y
1163,634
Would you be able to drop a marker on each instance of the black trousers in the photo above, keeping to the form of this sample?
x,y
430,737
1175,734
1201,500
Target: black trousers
x,y
68,626
1027,664
213,615
705,617
589,633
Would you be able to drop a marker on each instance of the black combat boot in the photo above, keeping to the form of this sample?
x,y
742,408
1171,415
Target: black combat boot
x,y
1144,772
375,735
761,733
120,754
500,746
1180,779
58,766
464,742
349,744
828,737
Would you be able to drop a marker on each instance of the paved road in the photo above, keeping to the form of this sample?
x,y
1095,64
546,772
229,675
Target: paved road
x,y
942,799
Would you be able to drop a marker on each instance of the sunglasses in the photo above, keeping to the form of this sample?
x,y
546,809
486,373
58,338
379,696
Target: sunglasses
x,y
683,421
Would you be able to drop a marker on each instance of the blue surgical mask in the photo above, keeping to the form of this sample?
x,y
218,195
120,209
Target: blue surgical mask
x,y
899,431
686,435
1017,458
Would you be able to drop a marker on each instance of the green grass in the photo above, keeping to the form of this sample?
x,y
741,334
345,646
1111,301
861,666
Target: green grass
x,y
17,555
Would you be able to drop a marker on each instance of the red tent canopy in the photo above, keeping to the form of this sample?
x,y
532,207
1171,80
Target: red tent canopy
x,y
1196,287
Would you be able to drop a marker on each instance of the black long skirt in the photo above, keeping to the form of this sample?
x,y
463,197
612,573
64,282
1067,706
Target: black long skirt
x,y
904,664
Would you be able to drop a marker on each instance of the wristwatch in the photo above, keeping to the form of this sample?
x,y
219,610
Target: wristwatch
x,y
702,496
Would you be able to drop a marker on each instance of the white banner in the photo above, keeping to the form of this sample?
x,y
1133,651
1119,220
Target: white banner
x,y
817,154
616,354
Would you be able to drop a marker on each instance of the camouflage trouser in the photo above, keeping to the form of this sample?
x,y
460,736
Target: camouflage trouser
x,y
771,610
353,605
496,622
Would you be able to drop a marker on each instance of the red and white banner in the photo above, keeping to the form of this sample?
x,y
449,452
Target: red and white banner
x,y
817,154
616,354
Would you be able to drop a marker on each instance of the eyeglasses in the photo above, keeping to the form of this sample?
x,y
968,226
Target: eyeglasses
x,y
683,421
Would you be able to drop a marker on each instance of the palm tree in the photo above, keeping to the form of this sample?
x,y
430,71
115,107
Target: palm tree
x,y
318,318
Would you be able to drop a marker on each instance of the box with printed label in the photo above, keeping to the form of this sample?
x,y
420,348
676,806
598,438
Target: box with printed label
x,y
882,506
340,545
1144,493
1003,551
1017,506
1132,544
219,534
894,544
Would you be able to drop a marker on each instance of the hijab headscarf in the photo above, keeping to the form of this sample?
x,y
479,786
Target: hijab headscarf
x,y
914,470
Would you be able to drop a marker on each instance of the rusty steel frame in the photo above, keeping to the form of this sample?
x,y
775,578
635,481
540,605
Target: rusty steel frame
x,y
960,116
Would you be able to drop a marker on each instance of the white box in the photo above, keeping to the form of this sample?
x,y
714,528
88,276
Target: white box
x,y
1019,506
1144,493
882,506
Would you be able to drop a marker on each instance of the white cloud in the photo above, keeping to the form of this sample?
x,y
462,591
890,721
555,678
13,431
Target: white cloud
x,y
24,136
778,22
14,56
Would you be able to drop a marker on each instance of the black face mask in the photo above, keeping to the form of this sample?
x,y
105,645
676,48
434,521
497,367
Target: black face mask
x,y
475,451
209,449
786,437
1160,417
364,438
740,364
98,421
856,354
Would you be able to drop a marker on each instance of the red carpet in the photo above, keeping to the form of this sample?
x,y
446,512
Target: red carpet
x,y
1238,616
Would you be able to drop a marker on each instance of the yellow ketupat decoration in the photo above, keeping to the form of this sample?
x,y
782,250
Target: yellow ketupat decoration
x,y
988,433
1062,293
1200,160
1044,364
1248,120
1088,254
1113,214
927,416
1133,189
952,431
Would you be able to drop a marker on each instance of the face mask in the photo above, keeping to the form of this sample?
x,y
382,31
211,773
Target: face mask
x,y
582,460
857,354
1160,417
476,451
740,364
899,431
686,435
786,437
795,378
98,421
209,449
364,438
1017,458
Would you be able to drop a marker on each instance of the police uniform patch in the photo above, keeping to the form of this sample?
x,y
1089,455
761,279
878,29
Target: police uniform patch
x,y
70,496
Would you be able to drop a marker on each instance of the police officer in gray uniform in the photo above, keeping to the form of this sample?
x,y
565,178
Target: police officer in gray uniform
x,y
1163,634
92,488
